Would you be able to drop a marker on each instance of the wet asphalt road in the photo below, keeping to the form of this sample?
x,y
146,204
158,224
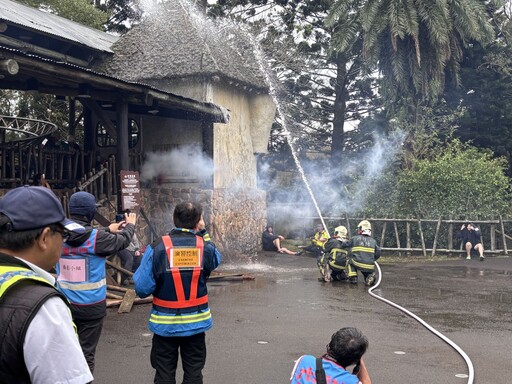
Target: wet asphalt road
x,y
262,326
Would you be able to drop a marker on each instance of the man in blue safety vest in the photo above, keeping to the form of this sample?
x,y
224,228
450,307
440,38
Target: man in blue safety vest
x,y
174,269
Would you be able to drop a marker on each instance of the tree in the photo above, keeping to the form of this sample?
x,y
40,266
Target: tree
x,y
321,89
460,180
413,43
80,11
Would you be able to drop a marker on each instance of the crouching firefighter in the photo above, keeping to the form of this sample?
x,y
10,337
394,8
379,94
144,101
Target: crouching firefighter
x,y
333,264
174,269
364,252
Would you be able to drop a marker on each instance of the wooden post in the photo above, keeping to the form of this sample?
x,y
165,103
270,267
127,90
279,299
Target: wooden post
x,y
450,235
383,234
503,236
493,236
397,238
422,239
408,236
434,246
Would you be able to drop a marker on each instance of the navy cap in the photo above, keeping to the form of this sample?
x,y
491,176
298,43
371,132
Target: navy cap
x,y
35,207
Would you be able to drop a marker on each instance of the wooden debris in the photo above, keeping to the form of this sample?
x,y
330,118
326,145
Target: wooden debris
x,y
113,296
127,303
114,303
231,276
120,269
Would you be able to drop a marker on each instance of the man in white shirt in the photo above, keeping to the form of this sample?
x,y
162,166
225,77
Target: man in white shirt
x,y
38,342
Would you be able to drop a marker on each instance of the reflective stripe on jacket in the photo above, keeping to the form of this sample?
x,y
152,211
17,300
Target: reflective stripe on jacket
x,y
180,298
81,273
22,293
337,256
364,251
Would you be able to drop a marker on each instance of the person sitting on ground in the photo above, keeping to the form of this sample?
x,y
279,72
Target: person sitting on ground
x,y
472,239
317,242
346,348
333,264
272,243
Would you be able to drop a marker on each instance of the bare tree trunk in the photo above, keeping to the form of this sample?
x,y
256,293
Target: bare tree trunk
x,y
340,106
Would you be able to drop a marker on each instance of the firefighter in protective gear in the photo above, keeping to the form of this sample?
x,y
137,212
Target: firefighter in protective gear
x,y
363,254
333,264
174,269
317,242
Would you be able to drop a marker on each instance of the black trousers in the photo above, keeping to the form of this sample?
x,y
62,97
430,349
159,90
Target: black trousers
x,y
164,358
126,258
89,332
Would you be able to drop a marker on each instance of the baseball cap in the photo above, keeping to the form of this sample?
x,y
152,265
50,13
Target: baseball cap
x,y
35,207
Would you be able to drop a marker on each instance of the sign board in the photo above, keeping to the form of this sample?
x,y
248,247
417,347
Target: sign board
x,y
130,190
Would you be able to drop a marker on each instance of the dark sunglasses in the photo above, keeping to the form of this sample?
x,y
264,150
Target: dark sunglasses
x,y
63,232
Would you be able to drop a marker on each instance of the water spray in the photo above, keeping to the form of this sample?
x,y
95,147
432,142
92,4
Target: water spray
x,y
273,94
471,370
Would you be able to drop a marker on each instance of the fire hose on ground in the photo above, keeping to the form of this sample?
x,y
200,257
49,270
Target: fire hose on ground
x,y
471,370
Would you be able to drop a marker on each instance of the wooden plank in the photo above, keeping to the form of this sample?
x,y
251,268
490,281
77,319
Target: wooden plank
x,y
120,269
422,239
397,236
384,225
127,303
434,246
503,236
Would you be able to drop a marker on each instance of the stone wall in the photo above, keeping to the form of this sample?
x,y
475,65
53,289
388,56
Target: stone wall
x,y
234,218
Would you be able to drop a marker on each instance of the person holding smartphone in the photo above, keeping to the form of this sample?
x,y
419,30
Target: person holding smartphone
x,y
346,349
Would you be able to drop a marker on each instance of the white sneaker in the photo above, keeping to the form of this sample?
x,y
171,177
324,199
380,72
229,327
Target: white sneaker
x,y
468,258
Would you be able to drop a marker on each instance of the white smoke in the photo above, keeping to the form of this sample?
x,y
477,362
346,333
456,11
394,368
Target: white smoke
x,y
187,163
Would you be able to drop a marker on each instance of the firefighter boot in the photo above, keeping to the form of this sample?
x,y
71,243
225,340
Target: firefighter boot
x,y
370,279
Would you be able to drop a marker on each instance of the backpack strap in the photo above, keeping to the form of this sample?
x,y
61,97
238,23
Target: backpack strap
x,y
320,373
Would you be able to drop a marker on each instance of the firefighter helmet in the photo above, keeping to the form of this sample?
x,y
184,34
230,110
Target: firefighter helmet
x,y
340,232
364,225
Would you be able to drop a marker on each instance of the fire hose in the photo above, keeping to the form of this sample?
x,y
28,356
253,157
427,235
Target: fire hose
x,y
471,370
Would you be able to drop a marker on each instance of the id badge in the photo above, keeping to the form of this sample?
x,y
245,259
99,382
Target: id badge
x,y
73,270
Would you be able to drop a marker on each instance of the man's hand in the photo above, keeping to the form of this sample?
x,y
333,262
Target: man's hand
x,y
281,237
130,218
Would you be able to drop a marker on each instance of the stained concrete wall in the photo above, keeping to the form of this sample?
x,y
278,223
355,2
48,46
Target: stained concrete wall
x,y
236,209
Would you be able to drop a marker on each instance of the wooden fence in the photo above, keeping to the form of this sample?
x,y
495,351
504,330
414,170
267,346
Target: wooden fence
x,y
428,237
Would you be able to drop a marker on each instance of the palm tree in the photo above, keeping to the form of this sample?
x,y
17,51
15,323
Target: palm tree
x,y
413,42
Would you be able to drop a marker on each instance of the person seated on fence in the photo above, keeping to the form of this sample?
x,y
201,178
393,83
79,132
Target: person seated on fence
x,y
39,180
333,264
346,348
472,239
317,242
128,255
272,242
364,251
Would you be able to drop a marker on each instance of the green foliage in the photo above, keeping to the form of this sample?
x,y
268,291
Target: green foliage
x,y
413,43
80,11
459,181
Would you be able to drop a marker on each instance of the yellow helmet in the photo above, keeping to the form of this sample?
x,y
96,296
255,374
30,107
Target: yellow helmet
x,y
364,225
340,232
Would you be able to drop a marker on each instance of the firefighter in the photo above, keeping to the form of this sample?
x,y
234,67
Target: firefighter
x,y
333,264
317,242
364,252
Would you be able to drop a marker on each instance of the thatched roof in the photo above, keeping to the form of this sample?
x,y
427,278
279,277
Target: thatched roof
x,y
173,41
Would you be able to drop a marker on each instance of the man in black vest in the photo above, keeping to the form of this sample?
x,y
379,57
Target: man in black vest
x,y
38,342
